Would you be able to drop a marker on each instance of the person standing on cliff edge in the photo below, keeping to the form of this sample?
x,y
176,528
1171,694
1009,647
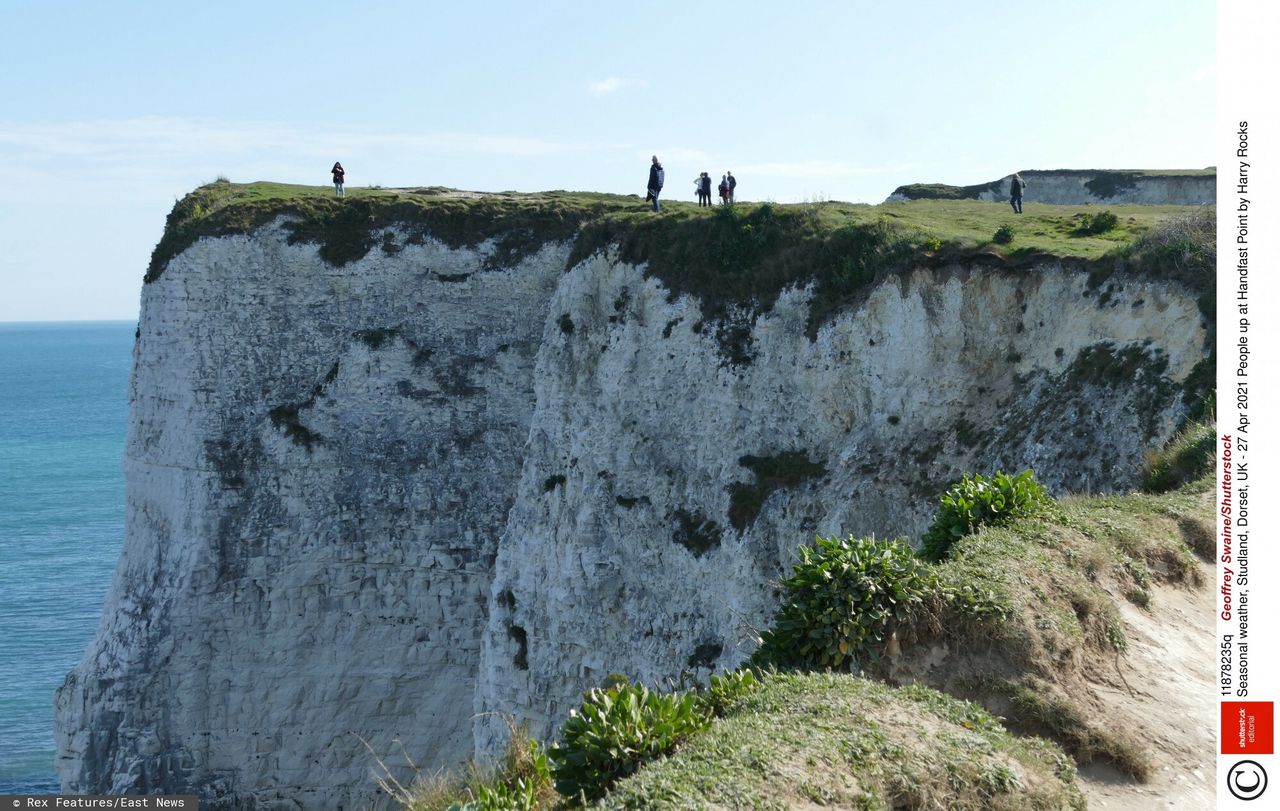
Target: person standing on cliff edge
x,y
339,177
703,189
733,184
1016,185
656,176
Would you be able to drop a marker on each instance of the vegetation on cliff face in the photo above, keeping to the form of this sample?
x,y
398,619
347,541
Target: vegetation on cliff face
x,y
1186,457
346,229
770,473
734,259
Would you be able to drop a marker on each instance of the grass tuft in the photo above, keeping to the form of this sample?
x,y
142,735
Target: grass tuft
x,y
1189,456
520,781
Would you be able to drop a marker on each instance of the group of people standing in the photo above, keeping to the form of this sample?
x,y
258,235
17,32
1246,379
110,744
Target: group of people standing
x,y
657,176
702,186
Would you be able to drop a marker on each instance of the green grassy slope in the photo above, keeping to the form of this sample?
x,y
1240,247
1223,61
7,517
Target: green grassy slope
x,y
840,741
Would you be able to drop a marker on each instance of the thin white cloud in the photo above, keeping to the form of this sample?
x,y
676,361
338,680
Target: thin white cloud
x,y
155,137
613,84
817,169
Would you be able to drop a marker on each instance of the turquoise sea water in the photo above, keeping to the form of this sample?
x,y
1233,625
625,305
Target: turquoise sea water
x,y
63,389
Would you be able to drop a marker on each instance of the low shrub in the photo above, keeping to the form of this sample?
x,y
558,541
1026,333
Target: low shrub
x,y
726,690
1185,245
620,727
1003,235
1099,223
843,598
977,500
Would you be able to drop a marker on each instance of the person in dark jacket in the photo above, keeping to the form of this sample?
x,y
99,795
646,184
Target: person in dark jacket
x,y
704,189
733,184
1016,185
656,177
339,177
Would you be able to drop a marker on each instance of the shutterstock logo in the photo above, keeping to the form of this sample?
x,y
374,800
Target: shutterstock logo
x,y
1247,780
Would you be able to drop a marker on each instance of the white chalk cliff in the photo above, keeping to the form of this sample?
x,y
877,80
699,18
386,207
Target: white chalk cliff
x,y
1082,186
396,499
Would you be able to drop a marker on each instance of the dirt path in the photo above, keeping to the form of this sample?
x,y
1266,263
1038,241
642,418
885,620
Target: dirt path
x,y
1172,705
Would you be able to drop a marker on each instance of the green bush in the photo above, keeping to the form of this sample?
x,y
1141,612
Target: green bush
x,y
1003,235
977,500
619,728
725,691
1099,223
520,795
844,596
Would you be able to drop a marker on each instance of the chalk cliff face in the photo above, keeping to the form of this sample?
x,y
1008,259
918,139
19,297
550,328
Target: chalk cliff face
x,y
320,462
395,499
1081,186
632,563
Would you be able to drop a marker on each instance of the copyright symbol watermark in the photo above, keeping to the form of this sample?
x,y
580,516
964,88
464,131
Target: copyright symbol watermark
x,y
1247,780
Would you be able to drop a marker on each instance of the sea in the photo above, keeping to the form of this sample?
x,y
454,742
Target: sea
x,y
63,402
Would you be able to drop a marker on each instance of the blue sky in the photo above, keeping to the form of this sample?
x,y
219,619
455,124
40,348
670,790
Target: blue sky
x,y
114,110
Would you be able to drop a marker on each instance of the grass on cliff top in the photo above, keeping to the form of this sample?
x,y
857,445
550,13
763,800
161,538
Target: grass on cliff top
x,y
347,228
469,218
809,740
732,258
